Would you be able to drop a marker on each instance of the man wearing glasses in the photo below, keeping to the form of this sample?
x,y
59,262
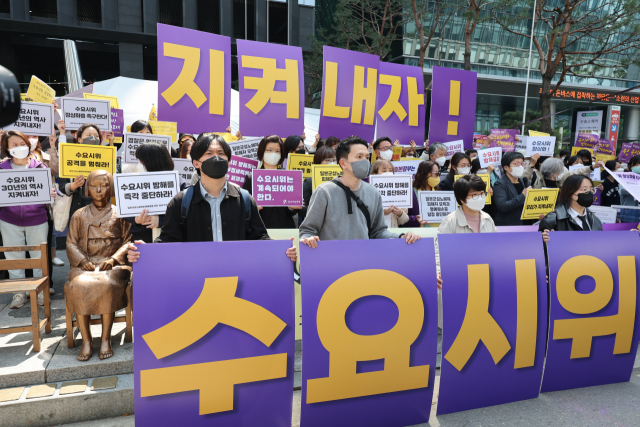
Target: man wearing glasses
x,y
383,148
510,191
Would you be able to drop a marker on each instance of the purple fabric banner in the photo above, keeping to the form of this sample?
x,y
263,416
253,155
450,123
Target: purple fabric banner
x,y
587,140
348,76
505,138
606,146
593,309
117,122
628,150
400,103
189,93
370,335
277,187
453,105
271,81
239,168
494,320
214,344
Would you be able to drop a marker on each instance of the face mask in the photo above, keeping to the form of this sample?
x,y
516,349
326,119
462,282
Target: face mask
x,y
517,171
34,143
386,155
585,199
332,163
410,155
464,171
636,169
271,158
476,205
215,167
189,156
91,140
360,169
441,161
620,170
433,182
300,151
312,150
586,163
140,168
19,152
559,177
387,174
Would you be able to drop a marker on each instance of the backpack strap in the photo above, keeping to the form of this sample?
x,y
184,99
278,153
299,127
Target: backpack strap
x,y
187,195
246,198
359,203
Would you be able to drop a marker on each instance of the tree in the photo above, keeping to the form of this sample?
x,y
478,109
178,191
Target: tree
x,y
420,11
472,16
575,37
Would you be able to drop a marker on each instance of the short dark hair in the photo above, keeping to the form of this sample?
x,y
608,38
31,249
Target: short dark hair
x,y
84,127
455,161
611,165
380,140
509,157
182,135
344,148
570,186
155,157
322,153
570,161
332,141
585,153
465,184
291,144
4,143
271,139
202,145
140,125
635,160
565,152
475,165
468,151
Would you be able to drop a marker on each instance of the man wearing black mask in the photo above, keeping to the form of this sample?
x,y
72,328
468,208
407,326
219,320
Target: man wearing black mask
x,y
213,209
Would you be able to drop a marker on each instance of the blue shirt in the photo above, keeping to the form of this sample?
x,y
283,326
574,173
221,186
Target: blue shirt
x,y
214,202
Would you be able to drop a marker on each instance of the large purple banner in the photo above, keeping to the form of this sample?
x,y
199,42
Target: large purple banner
x,y
214,342
494,320
401,103
370,333
349,87
453,105
194,79
593,326
271,81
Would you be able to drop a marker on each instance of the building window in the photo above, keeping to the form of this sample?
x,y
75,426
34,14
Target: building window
x,y
251,19
90,11
278,18
238,18
209,16
43,8
5,6
170,12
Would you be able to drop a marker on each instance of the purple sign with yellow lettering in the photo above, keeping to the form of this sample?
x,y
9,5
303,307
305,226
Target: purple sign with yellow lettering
x,y
587,140
494,320
400,103
505,138
221,350
271,81
370,333
593,327
349,88
453,105
194,79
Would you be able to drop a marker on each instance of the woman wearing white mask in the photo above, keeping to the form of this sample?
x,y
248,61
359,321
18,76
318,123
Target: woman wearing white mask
x,y
510,191
553,173
471,195
460,165
393,216
324,155
270,152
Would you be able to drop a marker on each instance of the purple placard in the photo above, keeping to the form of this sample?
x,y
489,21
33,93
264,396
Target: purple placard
x,y
597,198
192,118
628,150
346,61
606,146
277,187
516,228
272,118
368,316
620,226
505,138
481,381
587,140
440,106
239,168
564,370
264,403
411,127
117,122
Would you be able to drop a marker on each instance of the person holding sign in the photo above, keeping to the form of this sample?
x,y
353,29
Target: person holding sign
x,y
553,173
324,155
460,165
383,147
509,192
427,179
293,144
393,216
25,224
471,195
610,188
626,199
270,154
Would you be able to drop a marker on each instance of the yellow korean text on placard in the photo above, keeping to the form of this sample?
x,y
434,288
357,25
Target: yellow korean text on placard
x,y
539,202
80,159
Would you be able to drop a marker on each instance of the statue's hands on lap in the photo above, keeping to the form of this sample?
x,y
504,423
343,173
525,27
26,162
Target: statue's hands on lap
x,y
87,265
107,265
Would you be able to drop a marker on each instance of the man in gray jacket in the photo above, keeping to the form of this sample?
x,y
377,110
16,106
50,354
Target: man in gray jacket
x,y
347,208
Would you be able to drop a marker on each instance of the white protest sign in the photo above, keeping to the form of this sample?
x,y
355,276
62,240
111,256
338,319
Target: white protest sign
x,y
454,147
247,148
629,180
151,191
595,175
521,143
25,187
436,205
542,145
606,215
489,156
132,141
185,169
34,119
394,189
78,111
406,167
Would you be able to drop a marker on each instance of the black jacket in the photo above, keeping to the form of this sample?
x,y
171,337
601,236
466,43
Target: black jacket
x,y
197,227
560,220
78,199
610,195
446,184
276,216
507,204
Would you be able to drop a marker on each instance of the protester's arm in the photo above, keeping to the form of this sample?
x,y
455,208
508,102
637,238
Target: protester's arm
x,y
500,201
315,214
403,218
172,231
586,171
549,222
258,230
378,225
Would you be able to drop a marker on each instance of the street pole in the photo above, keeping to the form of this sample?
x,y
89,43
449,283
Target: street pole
x,y
526,90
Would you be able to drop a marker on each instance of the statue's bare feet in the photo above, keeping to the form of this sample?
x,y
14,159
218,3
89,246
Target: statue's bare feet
x,y
85,351
105,349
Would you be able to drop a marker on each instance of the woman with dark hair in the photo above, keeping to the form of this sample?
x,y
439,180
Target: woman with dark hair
x,y
572,213
393,216
141,126
183,137
626,199
270,152
510,191
610,191
427,179
332,142
460,165
573,161
185,148
293,144
323,156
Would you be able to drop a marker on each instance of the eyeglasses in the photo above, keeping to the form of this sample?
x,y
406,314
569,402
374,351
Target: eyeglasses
x,y
588,190
330,160
516,164
477,196
385,148
436,174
